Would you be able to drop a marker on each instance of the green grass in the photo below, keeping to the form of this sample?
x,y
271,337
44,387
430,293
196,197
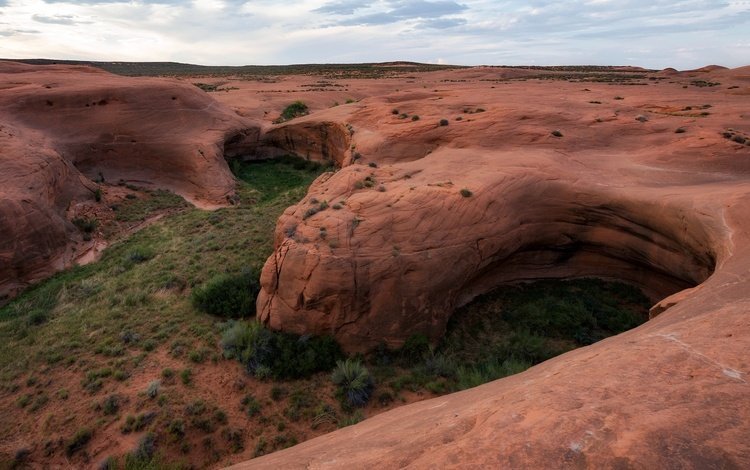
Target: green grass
x,y
512,328
136,210
74,320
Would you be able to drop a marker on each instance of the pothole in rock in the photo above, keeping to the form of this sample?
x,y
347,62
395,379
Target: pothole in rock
x,y
510,329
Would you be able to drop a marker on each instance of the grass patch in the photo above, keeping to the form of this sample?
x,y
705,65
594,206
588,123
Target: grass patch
x,y
139,209
73,322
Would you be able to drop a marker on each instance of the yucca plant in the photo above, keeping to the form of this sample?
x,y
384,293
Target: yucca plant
x,y
354,382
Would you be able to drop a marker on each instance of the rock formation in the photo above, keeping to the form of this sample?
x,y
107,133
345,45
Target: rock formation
x,y
64,127
497,198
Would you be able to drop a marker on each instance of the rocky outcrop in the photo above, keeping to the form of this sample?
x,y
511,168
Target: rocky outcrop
x,y
64,127
501,199
323,142
434,214
398,257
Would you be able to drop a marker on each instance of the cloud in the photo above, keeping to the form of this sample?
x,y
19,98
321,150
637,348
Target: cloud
x,y
442,23
397,11
343,7
57,19
652,33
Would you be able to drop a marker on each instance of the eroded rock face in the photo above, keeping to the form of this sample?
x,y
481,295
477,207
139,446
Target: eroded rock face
x,y
324,142
399,260
610,197
62,127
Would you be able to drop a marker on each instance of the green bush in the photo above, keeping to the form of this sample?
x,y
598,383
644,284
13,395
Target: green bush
x,y
294,110
139,254
282,355
78,441
228,295
414,349
354,381
85,225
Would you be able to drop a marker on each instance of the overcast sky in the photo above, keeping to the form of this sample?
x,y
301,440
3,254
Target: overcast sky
x,y
651,33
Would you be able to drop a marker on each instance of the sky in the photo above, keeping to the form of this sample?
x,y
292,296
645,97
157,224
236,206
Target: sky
x,y
657,34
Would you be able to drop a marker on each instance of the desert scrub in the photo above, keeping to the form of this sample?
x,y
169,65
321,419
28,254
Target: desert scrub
x,y
351,420
251,405
278,355
466,193
78,441
228,295
294,110
355,384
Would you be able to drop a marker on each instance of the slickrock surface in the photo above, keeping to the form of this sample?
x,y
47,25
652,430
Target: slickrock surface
x,y
64,127
647,183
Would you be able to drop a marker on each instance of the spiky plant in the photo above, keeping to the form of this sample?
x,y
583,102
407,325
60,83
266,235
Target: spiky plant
x,y
354,382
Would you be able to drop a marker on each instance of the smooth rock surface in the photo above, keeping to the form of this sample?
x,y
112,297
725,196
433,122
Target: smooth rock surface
x,y
612,197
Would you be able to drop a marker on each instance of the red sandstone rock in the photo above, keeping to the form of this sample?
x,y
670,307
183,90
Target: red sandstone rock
x,y
613,197
63,126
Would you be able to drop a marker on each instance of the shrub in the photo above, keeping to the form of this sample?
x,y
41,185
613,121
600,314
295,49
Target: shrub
x,y
197,356
557,133
145,449
228,295
186,375
394,111
247,342
176,428
78,441
111,405
251,404
137,423
352,420
139,254
85,225
282,355
414,349
153,389
294,110
444,122
415,118
680,130
354,381
466,193
277,393
235,438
